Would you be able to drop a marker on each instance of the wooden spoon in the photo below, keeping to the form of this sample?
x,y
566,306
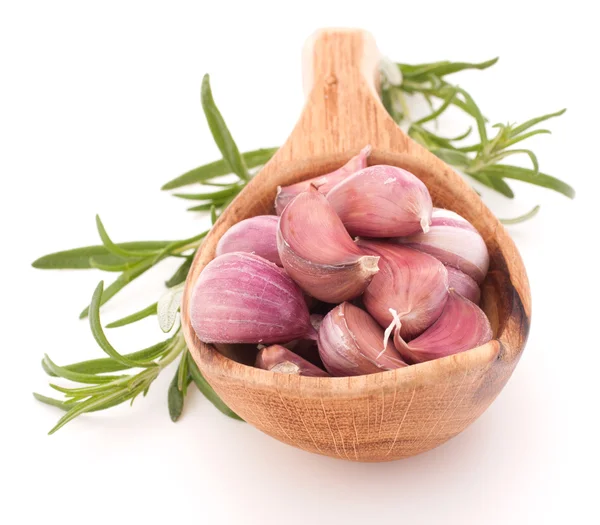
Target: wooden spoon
x,y
389,415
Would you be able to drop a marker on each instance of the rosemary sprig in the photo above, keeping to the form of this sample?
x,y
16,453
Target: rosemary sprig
x,y
131,260
482,159
97,387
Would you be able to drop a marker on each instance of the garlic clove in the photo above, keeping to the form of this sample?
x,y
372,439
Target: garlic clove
x,y
317,252
412,283
243,298
454,241
351,343
462,326
277,358
323,183
256,235
463,284
382,201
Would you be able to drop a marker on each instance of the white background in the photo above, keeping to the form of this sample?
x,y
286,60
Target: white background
x,y
99,106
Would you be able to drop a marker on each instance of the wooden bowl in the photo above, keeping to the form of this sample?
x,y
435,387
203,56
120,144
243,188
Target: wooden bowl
x,y
389,415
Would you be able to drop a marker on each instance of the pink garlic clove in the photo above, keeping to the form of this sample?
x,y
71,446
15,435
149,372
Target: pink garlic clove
x,y
323,183
256,235
277,358
463,284
243,298
382,201
317,252
351,343
462,326
411,283
455,242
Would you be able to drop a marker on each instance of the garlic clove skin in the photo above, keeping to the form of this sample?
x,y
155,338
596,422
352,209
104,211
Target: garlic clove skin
x,y
277,358
256,235
323,183
382,201
454,241
462,326
412,283
463,284
317,252
351,343
243,298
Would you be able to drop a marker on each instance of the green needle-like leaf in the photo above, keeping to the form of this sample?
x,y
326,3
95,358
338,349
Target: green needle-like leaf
x,y
87,406
78,377
137,316
183,373
220,132
522,218
252,159
98,333
208,391
441,69
524,136
530,123
123,280
214,196
181,273
527,175
175,398
509,152
435,114
115,248
206,206
107,364
79,258
64,405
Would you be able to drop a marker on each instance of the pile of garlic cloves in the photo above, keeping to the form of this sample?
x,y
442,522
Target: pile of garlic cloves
x,y
357,273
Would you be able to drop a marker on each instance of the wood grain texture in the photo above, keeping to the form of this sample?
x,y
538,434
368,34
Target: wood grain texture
x,y
393,414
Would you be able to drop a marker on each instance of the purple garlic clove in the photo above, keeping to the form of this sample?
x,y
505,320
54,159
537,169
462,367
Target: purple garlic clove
x,y
351,343
411,287
323,183
256,235
277,358
462,326
382,201
454,241
243,298
317,252
463,284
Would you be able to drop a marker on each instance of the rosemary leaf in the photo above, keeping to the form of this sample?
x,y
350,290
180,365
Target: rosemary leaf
x,y
175,397
530,123
115,248
183,373
132,318
443,68
123,280
181,273
213,196
79,377
87,406
220,132
527,175
522,218
207,390
79,258
64,405
108,364
98,333
252,159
